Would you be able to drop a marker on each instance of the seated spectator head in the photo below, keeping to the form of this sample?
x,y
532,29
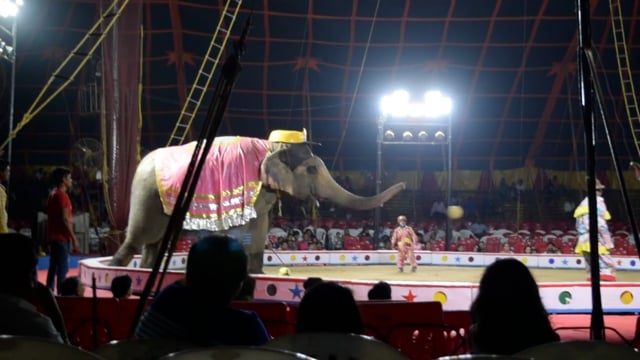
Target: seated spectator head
x,y
216,268
311,282
380,291
18,265
247,290
329,307
121,287
72,286
508,314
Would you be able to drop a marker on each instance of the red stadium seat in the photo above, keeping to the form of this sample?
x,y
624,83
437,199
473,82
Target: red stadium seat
x,y
78,318
276,316
417,329
461,321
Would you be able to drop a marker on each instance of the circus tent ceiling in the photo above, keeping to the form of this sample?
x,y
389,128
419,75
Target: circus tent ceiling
x,y
509,66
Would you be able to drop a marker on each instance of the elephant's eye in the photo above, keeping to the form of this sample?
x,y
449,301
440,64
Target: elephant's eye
x,y
312,170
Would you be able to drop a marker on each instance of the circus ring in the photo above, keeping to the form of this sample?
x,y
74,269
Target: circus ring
x,y
449,277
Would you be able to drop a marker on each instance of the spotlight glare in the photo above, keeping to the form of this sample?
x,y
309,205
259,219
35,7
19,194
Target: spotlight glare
x,y
395,104
398,104
9,8
437,104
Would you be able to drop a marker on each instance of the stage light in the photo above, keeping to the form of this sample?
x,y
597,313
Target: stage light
x,y
9,8
437,104
395,104
7,52
399,104
415,115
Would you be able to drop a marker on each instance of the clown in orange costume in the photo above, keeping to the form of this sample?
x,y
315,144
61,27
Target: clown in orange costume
x,y
406,240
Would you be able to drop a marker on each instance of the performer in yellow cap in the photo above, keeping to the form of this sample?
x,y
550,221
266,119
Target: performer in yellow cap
x,y
581,214
405,239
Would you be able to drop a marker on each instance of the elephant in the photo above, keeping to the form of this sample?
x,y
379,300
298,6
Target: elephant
x,y
283,163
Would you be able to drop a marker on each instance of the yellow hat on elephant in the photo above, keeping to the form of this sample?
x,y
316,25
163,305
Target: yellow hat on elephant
x,y
288,136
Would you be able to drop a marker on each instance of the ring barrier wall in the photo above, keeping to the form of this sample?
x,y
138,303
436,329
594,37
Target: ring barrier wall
x,y
558,297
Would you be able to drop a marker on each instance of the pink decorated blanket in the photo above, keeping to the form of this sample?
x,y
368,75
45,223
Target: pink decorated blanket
x,y
228,185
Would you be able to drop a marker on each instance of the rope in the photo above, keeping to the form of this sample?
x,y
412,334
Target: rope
x,y
355,91
522,84
105,162
574,142
140,90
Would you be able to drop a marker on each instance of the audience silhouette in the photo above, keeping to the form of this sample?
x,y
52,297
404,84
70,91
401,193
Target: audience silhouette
x,y
508,314
329,307
19,289
197,308
380,291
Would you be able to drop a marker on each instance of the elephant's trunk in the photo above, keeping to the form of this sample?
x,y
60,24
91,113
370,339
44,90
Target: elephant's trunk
x,y
329,189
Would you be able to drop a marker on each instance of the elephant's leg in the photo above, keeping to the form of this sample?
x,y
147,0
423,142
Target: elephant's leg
x,y
124,254
255,251
141,235
149,254
147,221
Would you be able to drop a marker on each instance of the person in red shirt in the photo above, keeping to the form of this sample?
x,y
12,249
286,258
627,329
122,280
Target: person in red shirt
x,y
405,239
60,228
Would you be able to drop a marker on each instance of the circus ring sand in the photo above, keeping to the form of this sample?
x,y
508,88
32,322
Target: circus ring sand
x,y
448,277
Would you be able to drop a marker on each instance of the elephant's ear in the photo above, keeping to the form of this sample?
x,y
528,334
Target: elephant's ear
x,y
275,173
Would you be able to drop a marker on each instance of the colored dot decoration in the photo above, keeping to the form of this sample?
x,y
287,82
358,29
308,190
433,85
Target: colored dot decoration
x,y
445,258
367,257
269,258
183,261
626,297
418,257
440,296
317,257
524,260
471,259
552,261
578,261
392,258
272,290
565,298
342,257
293,258
632,263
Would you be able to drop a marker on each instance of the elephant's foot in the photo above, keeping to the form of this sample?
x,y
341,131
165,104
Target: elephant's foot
x,y
146,262
149,255
256,261
124,255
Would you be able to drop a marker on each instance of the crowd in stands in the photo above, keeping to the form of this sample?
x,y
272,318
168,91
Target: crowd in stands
x,y
525,238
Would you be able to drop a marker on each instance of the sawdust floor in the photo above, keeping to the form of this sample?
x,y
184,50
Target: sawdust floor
x,y
431,273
